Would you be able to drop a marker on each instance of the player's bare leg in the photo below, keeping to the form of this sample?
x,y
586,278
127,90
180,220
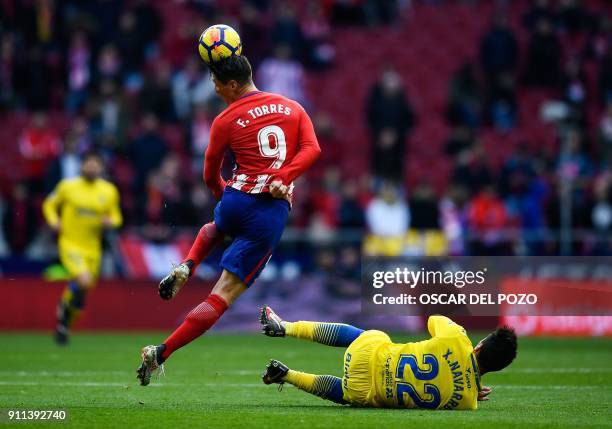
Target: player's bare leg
x,y
71,306
324,386
330,334
199,320
206,240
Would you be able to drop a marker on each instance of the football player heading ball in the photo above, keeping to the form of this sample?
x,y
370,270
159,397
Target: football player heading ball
x,y
273,142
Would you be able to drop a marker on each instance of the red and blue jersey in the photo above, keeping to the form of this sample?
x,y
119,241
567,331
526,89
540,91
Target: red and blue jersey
x,y
271,137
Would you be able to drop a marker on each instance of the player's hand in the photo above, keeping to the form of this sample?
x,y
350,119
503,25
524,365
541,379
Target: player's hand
x,y
278,190
107,222
55,227
483,395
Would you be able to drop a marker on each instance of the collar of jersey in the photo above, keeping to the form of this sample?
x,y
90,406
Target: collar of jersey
x,y
88,182
248,94
476,371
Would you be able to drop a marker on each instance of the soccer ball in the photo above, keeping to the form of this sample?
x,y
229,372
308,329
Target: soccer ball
x,y
219,41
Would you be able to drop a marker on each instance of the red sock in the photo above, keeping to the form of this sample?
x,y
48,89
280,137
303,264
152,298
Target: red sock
x,y
207,239
198,321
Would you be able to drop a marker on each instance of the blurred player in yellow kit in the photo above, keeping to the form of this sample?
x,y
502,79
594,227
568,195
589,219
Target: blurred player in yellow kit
x,y
79,210
440,373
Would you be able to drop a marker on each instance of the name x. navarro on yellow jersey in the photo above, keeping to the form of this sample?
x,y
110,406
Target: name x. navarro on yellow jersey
x,y
439,373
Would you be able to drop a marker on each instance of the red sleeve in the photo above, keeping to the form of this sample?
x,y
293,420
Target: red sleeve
x,y
307,154
213,159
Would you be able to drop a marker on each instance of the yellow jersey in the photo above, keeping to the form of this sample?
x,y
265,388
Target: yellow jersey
x,y
439,373
80,207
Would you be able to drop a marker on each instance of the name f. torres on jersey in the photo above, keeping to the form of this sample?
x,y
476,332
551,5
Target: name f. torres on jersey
x,y
271,137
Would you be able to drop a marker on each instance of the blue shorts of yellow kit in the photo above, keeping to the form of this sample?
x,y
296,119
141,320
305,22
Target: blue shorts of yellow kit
x,y
256,223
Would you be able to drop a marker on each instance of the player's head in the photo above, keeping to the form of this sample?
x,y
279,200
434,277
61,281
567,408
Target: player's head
x,y
92,165
497,350
231,76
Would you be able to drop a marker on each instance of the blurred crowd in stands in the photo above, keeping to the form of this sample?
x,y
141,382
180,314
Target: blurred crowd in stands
x,y
99,65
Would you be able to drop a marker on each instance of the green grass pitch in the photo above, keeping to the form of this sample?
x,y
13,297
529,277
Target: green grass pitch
x,y
215,383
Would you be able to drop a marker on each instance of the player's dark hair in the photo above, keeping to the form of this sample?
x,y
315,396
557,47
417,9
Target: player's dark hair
x,y
498,350
234,67
92,153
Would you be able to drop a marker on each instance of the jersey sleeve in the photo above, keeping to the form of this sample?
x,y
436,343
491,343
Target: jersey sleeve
x,y
441,326
213,158
307,154
114,213
52,204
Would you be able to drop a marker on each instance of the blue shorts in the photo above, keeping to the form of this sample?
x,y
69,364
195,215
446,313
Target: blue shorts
x,y
256,223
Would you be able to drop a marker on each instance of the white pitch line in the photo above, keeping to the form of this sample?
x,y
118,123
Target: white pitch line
x,y
251,385
60,373
65,384
47,373
111,384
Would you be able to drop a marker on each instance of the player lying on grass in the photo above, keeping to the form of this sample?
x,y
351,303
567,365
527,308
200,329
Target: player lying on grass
x,y
440,373
273,143
80,210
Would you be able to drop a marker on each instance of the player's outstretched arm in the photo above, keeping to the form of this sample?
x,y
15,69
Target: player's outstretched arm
x,y
442,326
114,219
51,206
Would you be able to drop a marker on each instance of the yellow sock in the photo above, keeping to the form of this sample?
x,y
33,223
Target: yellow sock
x,y
301,330
323,386
331,334
301,380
